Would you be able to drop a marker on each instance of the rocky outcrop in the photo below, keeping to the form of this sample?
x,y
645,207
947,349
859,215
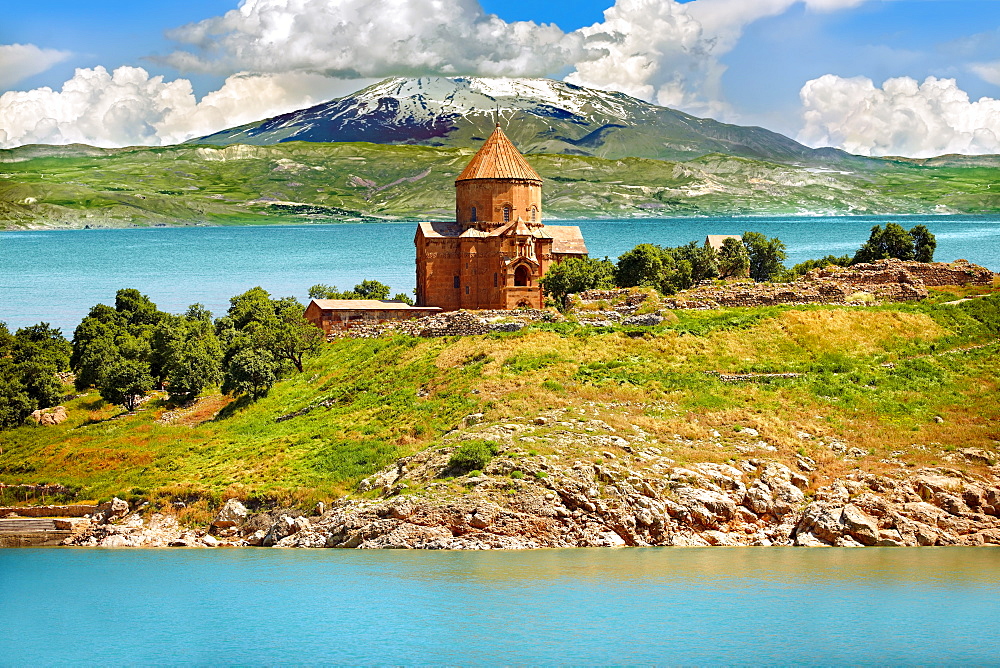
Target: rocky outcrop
x,y
599,486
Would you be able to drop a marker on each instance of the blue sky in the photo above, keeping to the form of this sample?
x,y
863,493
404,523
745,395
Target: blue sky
x,y
811,69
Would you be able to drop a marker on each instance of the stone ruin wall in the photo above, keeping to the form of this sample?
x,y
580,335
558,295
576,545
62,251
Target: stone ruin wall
x,y
930,274
885,280
455,323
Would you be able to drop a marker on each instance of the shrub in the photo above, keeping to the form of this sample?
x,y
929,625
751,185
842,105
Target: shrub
x,y
472,455
516,475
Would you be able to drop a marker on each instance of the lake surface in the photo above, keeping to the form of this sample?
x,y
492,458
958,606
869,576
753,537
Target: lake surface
x,y
57,275
585,606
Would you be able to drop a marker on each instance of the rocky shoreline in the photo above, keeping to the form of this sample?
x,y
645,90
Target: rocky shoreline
x,y
601,487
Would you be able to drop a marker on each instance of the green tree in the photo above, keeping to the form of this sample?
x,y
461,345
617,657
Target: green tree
x,y
368,289
324,291
803,268
924,243
733,258
136,308
641,266
403,297
29,360
198,313
291,337
703,260
107,334
125,383
42,341
275,332
15,404
766,256
251,372
193,360
577,274
893,241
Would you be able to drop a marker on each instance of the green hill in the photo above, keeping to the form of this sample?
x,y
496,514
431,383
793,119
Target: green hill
x,y
307,181
908,383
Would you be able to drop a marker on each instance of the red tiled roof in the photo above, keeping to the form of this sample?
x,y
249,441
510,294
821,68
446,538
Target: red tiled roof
x,y
498,159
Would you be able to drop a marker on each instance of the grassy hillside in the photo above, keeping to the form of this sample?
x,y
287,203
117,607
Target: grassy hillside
x,y
301,182
873,378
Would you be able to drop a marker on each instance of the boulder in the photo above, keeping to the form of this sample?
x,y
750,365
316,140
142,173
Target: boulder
x,y
822,521
283,527
861,526
759,499
233,513
48,417
117,509
708,508
116,540
806,539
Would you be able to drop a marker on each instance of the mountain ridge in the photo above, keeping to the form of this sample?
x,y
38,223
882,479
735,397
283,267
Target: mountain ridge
x,y
540,116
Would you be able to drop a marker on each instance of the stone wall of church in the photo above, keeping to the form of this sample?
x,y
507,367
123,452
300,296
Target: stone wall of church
x,y
439,265
489,196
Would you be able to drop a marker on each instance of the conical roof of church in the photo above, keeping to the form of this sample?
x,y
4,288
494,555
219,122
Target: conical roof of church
x,y
498,159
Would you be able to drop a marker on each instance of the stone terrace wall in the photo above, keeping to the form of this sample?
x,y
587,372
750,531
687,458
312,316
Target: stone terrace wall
x,y
959,272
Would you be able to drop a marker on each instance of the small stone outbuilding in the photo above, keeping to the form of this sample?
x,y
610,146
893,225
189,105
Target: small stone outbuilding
x,y
338,314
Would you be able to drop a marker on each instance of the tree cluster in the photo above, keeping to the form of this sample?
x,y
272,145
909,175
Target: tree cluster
x,y
262,339
895,242
366,289
669,269
127,350
29,361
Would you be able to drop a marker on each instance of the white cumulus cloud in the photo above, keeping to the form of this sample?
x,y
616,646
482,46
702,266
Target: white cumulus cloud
x,y
660,50
129,107
20,61
371,38
903,117
669,52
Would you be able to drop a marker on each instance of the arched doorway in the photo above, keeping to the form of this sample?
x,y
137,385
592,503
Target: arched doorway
x,y
522,276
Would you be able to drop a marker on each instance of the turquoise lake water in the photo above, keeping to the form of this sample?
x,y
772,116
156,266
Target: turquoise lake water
x,y
927,606
56,276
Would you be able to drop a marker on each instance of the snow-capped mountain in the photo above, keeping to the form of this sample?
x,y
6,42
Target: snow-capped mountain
x,y
539,115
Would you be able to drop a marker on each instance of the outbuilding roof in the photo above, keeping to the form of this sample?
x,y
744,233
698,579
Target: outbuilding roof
x,y
715,240
368,305
498,159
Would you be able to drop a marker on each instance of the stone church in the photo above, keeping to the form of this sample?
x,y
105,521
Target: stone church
x,y
495,252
